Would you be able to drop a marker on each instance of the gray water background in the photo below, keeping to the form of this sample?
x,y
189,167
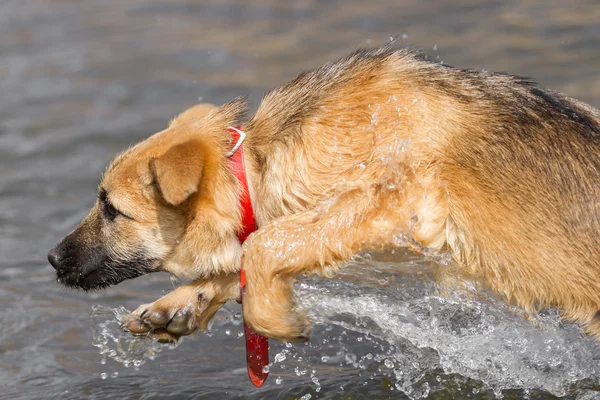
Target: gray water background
x,y
82,80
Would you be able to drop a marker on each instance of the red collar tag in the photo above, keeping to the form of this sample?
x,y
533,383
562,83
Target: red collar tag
x,y
257,346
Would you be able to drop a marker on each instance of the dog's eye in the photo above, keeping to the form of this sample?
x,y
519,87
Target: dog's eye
x,y
111,211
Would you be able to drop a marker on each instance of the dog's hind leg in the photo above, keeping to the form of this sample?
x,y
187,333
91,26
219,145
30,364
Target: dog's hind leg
x,y
318,241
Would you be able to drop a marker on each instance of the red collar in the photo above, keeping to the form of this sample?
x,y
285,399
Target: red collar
x,y
257,347
236,163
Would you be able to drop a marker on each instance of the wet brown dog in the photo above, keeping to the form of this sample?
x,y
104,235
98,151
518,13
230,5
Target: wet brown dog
x,y
377,150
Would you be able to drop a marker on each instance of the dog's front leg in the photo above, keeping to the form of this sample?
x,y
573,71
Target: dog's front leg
x,y
185,310
318,241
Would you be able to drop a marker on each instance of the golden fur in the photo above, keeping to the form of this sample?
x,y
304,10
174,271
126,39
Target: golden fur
x,y
377,150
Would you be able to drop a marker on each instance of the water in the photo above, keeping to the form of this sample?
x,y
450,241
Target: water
x,y
84,80
391,327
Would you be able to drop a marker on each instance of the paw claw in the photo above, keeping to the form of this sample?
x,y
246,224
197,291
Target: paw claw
x,y
132,324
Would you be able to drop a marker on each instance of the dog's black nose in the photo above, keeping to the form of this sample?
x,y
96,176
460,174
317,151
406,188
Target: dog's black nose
x,y
54,258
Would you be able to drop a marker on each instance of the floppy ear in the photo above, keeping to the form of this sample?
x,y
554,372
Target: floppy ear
x,y
178,172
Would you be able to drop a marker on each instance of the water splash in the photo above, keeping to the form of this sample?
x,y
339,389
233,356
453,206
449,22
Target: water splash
x,y
421,334
121,346
387,325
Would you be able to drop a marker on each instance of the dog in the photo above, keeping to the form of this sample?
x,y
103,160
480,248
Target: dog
x,y
378,150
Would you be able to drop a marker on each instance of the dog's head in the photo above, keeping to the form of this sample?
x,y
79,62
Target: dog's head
x,y
167,204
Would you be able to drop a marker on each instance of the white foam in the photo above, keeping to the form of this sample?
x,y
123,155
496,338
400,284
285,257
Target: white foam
x,y
424,331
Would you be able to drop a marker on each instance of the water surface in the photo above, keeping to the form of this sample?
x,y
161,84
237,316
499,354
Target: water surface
x,y
81,81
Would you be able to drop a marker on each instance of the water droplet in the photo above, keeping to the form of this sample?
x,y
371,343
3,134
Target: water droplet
x,y
175,281
103,375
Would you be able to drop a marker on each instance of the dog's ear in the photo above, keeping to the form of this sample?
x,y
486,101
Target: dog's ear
x,y
178,172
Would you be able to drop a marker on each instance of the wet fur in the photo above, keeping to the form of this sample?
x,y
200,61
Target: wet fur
x,y
379,149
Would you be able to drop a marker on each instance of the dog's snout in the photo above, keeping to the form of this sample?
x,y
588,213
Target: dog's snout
x,y
54,258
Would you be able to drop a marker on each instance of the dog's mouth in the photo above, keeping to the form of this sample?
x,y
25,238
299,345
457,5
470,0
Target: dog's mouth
x,y
106,274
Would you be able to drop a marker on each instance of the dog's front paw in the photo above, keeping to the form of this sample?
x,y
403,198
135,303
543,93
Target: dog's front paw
x,y
168,318
280,322
294,327
183,311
